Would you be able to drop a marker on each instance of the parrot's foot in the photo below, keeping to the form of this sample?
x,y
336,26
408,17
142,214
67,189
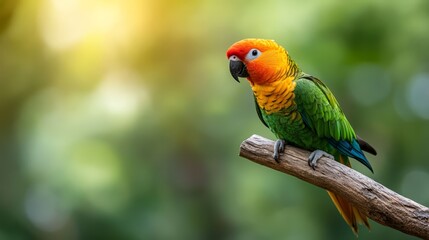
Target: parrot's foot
x,y
279,147
315,156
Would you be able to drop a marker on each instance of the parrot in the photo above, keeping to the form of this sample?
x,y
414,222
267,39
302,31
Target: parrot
x,y
300,110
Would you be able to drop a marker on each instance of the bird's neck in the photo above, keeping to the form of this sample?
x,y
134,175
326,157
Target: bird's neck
x,y
275,96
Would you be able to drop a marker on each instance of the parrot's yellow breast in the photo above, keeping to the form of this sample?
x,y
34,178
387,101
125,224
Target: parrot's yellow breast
x,y
276,95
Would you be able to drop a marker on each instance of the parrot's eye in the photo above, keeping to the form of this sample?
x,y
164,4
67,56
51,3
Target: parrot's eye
x,y
252,54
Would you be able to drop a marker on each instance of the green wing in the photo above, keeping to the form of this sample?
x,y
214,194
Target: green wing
x,y
321,111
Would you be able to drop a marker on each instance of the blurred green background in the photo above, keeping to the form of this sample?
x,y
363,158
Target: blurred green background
x,y
120,120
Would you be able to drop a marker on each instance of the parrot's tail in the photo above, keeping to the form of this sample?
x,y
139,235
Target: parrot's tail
x,y
351,214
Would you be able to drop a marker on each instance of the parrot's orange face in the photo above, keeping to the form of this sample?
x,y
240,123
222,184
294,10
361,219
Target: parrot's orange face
x,y
259,60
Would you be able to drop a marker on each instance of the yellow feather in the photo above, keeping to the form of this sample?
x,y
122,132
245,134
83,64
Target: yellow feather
x,y
351,214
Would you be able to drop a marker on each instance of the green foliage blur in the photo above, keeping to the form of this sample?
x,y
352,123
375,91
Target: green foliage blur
x,y
120,120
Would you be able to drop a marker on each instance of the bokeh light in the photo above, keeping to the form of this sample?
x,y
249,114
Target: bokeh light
x,y
418,95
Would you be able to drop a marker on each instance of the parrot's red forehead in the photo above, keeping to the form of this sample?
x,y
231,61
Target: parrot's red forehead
x,y
241,48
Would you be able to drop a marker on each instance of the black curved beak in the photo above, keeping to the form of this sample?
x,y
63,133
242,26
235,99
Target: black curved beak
x,y
238,69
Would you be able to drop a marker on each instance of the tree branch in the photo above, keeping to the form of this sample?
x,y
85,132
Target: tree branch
x,y
377,201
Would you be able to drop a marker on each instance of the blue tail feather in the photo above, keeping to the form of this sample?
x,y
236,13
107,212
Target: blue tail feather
x,y
352,150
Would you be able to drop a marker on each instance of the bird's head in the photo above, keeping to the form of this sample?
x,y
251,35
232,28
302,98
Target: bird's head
x,y
259,60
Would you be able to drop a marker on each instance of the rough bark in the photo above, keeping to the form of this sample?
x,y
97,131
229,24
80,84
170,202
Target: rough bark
x,y
377,201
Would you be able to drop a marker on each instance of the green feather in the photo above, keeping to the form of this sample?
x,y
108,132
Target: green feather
x,y
322,111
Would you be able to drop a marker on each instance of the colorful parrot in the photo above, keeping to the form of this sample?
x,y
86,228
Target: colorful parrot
x,y
300,110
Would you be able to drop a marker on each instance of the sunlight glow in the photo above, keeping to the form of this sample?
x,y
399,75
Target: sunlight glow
x,y
65,23
119,95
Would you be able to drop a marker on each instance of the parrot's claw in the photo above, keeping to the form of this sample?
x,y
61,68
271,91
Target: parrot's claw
x,y
279,147
315,156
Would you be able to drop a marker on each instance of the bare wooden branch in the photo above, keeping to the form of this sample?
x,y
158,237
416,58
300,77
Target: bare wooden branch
x,y
377,201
